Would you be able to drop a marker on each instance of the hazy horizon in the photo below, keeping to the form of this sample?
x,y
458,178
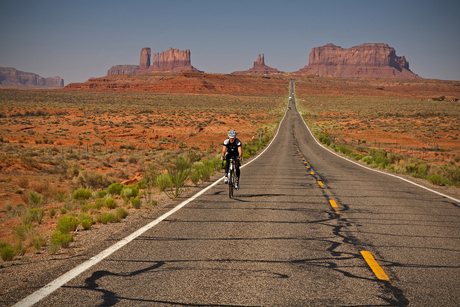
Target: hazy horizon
x,y
77,40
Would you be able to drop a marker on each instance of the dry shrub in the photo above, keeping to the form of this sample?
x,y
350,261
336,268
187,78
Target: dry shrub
x,y
33,238
93,179
23,182
45,189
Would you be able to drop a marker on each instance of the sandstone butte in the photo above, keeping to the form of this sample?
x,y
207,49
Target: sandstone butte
x,y
12,77
259,68
170,60
366,61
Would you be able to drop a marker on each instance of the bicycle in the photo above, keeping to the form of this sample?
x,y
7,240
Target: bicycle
x,y
231,177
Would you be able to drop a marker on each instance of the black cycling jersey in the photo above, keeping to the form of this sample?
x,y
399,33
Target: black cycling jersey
x,y
232,148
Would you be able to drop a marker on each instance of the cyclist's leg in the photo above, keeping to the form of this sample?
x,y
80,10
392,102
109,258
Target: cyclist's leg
x,y
227,165
237,167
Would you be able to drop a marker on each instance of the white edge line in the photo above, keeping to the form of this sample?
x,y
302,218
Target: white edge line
x,y
63,279
372,169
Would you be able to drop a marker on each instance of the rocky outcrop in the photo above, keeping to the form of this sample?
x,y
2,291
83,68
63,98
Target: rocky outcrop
x,y
123,70
366,61
169,60
12,77
259,68
144,62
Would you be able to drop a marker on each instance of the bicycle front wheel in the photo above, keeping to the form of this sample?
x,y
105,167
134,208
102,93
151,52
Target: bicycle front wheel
x,y
230,184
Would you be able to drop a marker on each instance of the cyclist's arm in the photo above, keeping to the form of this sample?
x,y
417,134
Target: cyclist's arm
x,y
240,151
224,149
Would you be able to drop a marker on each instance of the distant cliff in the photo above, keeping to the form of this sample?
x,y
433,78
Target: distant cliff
x,y
169,60
12,77
366,61
259,68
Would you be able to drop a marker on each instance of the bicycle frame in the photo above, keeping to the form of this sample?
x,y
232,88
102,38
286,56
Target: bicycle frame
x,y
231,177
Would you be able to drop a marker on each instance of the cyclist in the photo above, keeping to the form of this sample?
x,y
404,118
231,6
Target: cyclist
x,y
232,148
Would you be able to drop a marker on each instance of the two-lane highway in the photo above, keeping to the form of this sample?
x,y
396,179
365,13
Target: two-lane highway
x,y
280,241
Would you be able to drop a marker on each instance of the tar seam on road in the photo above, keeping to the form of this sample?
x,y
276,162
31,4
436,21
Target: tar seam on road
x,y
418,185
63,279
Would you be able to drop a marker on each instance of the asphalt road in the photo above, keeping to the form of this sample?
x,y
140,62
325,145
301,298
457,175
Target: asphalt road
x,y
279,242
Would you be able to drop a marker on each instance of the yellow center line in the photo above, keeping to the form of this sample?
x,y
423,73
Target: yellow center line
x,y
378,271
321,184
334,205
312,173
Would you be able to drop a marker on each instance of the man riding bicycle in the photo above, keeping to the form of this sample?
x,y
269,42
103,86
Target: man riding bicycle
x,y
232,149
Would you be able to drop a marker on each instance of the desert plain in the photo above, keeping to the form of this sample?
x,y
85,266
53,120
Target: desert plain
x,y
119,128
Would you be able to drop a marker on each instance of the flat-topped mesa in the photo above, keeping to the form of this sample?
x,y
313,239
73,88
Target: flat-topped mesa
x,y
169,60
259,68
123,70
359,62
12,77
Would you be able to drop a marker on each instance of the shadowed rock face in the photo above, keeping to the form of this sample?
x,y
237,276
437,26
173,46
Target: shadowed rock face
x,y
123,70
12,77
144,62
359,62
259,68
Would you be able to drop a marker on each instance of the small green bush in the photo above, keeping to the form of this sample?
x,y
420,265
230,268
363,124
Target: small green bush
x,y
86,208
63,210
35,199
367,159
99,203
136,202
84,216
82,194
115,188
100,194
87,223
163,181
7,253
33,215
67,223
344,149
437,180
52,212
121,214
60,238
108,218
141,184
325,140
110,203
129,191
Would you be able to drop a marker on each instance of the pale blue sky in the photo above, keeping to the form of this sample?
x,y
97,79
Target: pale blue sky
x,y
77,40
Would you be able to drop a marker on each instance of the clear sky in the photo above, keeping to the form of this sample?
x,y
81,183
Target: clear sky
x,y
79,39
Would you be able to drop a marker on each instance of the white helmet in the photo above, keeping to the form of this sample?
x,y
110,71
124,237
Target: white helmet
x,y
232,134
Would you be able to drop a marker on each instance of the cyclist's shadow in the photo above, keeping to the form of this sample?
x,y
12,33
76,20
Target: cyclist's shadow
x,y
238,196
